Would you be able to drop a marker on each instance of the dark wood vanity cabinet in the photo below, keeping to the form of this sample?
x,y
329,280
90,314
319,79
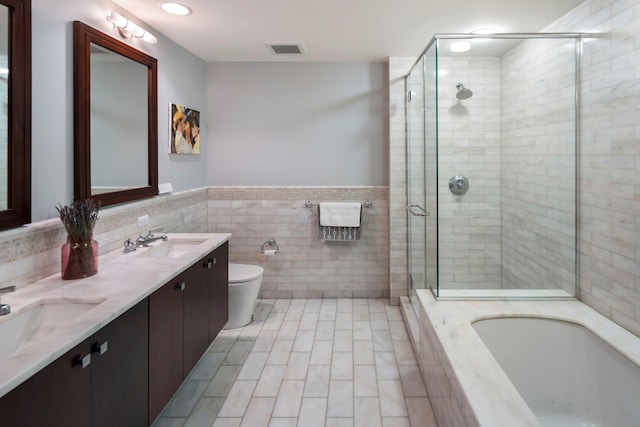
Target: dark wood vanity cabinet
x,y
166,354
58,395
100,382
124,374
119,374
196,315
219,286
185,316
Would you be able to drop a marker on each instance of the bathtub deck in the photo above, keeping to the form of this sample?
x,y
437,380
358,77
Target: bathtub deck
x,y
475,381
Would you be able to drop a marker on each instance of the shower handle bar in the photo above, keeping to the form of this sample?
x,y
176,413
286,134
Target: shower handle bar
x,y
422,212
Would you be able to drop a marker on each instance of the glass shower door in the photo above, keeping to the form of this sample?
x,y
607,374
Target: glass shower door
x,y
416,196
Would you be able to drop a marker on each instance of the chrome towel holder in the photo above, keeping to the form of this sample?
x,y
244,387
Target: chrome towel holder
x,y
309,204
271,242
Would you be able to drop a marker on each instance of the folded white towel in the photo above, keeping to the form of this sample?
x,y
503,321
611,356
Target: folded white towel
x,y
340,214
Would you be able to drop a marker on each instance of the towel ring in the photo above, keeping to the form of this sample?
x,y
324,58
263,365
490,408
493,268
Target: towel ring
x,y
270,242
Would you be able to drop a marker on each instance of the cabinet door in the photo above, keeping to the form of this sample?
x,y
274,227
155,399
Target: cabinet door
x,y
165,344
219,287
196,314
57,396
119,374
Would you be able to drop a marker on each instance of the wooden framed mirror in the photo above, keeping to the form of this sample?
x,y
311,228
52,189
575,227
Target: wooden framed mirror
x,y
115,119
15,114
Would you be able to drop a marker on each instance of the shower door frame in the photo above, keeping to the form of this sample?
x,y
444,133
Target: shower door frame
x,y
415,211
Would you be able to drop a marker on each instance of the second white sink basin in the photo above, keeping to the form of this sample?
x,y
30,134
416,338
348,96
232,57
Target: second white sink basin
x,y
38,321
174,247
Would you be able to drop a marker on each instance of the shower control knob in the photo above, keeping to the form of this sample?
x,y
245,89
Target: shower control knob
x,y
459,185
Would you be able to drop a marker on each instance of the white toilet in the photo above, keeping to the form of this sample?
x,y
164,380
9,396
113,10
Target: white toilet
x,y
244,286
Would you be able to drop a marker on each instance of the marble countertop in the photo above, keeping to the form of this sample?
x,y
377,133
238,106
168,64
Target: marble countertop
x,y
492,396
122,281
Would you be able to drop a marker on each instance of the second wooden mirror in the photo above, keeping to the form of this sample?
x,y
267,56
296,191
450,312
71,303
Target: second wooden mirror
x,y
115,119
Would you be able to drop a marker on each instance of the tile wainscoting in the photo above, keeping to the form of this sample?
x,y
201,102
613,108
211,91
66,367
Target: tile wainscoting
x,y
304,266
32,252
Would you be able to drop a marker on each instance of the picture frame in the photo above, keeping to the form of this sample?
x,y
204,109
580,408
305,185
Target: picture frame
x,y
184,124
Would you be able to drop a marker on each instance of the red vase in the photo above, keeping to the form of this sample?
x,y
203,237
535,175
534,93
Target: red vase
x,y
79,258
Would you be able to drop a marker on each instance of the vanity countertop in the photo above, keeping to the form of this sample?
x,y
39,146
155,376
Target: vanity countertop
x,y
122,281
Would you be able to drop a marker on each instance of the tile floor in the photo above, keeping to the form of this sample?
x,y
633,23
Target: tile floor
x,y
307,362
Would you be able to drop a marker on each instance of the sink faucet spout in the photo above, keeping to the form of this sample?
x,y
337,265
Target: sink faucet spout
x,y
5,308
150,237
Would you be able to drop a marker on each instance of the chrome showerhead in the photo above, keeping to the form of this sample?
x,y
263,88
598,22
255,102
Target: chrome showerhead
x,y
463,92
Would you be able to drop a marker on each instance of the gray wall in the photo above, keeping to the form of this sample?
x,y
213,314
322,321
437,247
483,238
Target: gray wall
x,y
181,78
297,124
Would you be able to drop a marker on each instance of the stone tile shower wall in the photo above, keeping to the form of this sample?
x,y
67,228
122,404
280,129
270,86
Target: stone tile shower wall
x,y
539,165
305,267
32,252
469,144
609,160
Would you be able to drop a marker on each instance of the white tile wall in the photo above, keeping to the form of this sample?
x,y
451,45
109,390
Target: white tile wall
x,y
305,267
469,145
539,165
609,165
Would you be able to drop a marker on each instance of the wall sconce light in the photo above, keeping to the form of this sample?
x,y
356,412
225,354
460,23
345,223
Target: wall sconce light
x,y
127,28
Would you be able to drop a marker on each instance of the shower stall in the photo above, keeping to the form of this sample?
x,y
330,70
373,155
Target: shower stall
x,y
492,166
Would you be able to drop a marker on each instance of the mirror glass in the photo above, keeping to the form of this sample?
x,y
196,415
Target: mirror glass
x,y
4,107
118,122
115,119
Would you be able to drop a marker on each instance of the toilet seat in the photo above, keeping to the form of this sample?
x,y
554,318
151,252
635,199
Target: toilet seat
x,y
241,273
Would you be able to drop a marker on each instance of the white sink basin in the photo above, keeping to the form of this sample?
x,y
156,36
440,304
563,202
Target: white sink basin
x,y
38,321
174,247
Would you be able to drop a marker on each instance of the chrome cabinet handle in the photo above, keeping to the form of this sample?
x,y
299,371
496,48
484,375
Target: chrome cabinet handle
x,y
81,361
181,286
417,210
100,348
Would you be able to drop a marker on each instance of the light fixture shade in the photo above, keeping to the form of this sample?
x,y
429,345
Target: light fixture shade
x,y
149,38
117,19
127,28
135,30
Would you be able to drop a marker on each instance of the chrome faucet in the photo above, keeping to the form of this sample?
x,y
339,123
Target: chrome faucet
x,y
150,237
129,246
5,308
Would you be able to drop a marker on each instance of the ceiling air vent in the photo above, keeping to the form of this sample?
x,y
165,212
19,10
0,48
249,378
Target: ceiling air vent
x,y
286,48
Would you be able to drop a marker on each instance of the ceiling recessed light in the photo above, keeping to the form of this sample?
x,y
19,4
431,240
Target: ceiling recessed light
x,y
460,47
175,8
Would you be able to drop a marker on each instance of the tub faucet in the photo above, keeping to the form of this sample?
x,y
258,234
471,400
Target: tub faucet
x,y
5,308
150,237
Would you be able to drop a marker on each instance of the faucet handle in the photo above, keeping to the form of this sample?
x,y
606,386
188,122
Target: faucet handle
x,y
155,230
129,245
